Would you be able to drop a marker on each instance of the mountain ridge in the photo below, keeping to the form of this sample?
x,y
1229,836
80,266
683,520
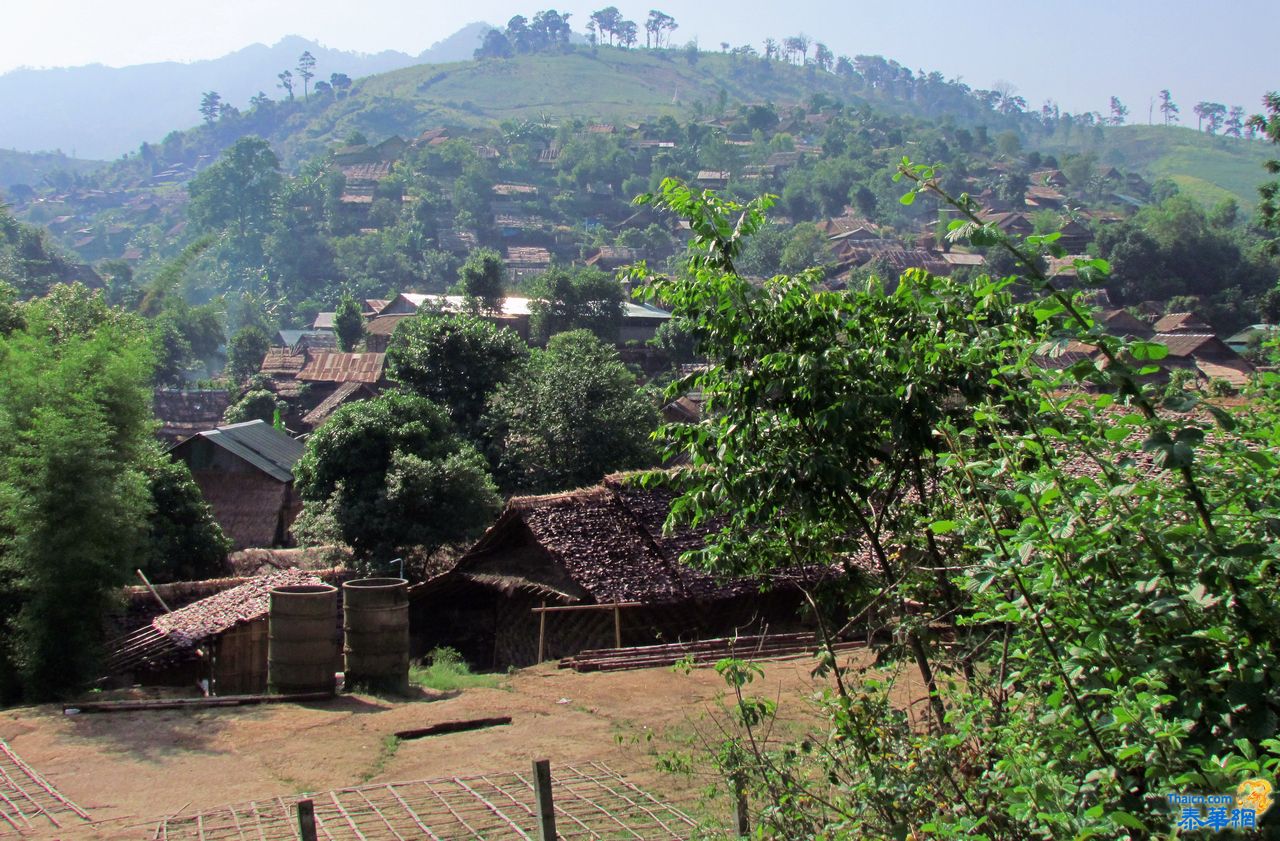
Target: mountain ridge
x,y
99,112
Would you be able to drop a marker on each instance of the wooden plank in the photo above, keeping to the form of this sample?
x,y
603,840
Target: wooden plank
x,y
194,703
453,727
569,608
544,799
307,820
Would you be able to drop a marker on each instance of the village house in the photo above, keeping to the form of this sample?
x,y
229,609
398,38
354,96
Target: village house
x,y
219,642
245,473
603,551
185,412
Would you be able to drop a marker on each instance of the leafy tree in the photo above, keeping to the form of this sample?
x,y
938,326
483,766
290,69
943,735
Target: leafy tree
x,y
238,191
210,106
286,82
568,299
573,415
658,25
1269,205
495,45
483,279
348,323
74,432
456,361
1118,111
1235,121
246,351
307,72
1168,108
256,404
341,82
608,21
390,474
1092,535
185,542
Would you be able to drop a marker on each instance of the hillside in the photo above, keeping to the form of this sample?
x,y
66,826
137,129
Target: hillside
x,y
103,112
32,168
1207,167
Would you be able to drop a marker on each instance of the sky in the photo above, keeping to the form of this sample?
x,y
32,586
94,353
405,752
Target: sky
x,y
1077,53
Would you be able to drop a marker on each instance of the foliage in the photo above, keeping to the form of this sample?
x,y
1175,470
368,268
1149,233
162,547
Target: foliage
x,y
389,474
348,323
185,542
238,191
255,404
454,360
74,433
1269,124
443,669
571,416
245,352
1105,560
482,279
564,299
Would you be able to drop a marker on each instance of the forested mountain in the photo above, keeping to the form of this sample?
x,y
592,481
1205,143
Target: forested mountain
x,y
101,112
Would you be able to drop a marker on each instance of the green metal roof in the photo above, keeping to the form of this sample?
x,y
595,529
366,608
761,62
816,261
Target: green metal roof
x,y
258,443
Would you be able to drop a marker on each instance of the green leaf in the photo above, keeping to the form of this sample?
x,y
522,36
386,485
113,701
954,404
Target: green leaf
x,y
1148,351
943,526
908,198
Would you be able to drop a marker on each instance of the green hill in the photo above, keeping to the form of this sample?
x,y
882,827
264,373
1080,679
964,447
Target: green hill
x,y
1205,166
606,84
32,168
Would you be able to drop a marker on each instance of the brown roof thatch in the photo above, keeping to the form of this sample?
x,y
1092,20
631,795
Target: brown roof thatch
x,y
1182,322
345,393
603,544
174,636
183,413
333,367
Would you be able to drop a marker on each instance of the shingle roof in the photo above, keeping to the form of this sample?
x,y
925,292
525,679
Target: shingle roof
x,y
260,444
334,367
1182,322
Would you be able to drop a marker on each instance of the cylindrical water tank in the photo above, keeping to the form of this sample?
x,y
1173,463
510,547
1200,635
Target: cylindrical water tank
x,y
302,644
376,634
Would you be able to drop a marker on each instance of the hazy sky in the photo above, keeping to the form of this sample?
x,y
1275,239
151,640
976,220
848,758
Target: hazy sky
x,y
1078,53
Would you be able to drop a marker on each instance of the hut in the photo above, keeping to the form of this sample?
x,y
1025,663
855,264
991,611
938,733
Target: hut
x,y
245,472
598,555
218,642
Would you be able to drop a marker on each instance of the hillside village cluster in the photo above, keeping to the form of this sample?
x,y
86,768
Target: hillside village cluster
x,y
245,471
417,403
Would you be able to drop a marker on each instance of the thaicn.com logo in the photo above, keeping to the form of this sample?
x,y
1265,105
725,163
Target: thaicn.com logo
x,y
1218,812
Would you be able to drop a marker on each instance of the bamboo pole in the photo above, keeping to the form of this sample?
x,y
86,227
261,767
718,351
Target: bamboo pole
x,y
542,631
143,576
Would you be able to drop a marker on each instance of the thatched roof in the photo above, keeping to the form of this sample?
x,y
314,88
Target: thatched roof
x,y
603,544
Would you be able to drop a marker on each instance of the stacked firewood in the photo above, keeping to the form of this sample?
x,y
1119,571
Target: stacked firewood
x,y
699,653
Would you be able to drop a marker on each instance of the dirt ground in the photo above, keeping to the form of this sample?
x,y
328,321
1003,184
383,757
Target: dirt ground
x,y
127,770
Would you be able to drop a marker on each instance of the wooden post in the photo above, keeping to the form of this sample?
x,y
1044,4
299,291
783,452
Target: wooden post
x,y
741,819
307,820
617,627
546,804
542,633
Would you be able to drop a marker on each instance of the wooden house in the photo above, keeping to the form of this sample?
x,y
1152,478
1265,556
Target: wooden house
x,y
185,412
601,556
218,642
245,473
1182,322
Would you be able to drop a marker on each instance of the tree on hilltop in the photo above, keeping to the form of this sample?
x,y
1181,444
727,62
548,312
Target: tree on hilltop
x,y
1168,108
210,106
307,70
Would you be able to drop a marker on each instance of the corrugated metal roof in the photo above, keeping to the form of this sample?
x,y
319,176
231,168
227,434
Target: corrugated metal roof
x,y
260,444
333,367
